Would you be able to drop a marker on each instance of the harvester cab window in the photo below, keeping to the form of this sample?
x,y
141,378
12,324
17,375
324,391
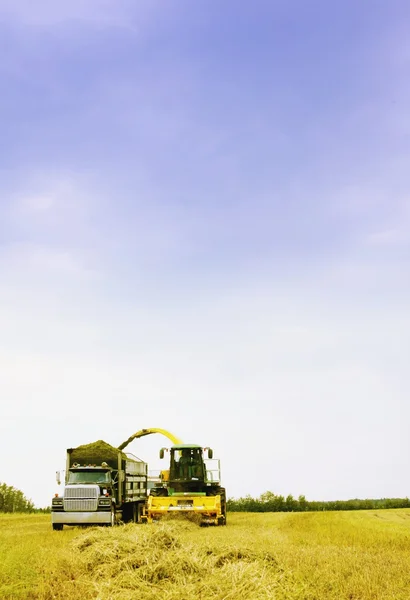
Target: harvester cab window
x,y
184,464
189,465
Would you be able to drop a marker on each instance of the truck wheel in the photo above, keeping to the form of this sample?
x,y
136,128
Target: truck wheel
x,y
57,526
135,513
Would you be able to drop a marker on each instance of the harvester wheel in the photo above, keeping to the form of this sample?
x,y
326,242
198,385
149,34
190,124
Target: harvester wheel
x,y
219,491
222,493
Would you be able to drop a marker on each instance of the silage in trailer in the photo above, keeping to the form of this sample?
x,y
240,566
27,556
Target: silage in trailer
x,y
96,453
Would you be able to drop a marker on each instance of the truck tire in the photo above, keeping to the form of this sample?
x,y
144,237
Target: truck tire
x,y
132,512
57,526
136,513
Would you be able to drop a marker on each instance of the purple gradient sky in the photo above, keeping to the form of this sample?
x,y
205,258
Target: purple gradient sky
x,y
205,226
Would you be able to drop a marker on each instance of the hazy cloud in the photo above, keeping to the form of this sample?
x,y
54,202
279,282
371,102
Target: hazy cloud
x,y
48,13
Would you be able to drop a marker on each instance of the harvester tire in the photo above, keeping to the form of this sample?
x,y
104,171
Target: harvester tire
x,y
222,493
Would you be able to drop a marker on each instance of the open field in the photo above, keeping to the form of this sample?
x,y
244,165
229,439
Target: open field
x,y
362,555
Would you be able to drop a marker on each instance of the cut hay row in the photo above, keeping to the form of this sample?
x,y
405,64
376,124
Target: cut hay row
x,y
150,562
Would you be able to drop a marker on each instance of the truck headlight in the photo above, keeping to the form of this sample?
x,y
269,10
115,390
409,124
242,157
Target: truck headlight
x,y
104,501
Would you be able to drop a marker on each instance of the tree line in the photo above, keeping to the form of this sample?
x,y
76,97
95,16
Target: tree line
x,y
269,502
13,500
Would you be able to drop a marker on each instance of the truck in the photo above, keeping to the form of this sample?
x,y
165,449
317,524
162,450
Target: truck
x,y
103,486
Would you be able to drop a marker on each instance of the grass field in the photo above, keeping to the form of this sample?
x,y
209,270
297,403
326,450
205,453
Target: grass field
x,y
362,555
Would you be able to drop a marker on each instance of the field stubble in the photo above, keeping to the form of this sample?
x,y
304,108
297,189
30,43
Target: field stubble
x,y
296,556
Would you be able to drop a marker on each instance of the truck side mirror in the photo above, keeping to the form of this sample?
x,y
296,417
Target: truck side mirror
x,y
161,453
58,477
210,453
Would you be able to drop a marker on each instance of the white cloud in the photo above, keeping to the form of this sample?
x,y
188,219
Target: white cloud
x,y
41,260
389,237
362,200
34,204
49,11
51,195
103,13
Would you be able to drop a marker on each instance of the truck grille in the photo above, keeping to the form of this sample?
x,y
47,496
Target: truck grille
x,y
81,498
81,491
73,505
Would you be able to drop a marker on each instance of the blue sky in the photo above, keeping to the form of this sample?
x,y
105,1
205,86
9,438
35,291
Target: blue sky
x,y
205,226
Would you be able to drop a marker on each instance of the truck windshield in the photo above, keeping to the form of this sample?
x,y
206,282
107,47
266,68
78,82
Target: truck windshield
x,y
89,477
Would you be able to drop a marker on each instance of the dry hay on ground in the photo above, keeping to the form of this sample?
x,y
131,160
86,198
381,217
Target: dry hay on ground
x,y
153,561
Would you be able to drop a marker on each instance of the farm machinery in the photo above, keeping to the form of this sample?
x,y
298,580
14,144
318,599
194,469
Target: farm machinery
x,y
105,486
190,486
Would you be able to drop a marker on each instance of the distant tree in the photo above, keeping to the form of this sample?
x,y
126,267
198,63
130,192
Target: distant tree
x,y
302,502
291,503
267,497
45,510
13,500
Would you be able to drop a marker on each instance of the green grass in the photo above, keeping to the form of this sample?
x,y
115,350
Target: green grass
x,y
361,555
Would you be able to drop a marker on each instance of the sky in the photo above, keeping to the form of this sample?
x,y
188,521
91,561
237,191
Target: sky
x,y
205,227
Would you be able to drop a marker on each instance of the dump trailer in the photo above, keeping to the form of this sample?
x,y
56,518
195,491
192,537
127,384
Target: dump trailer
x,y
103,486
